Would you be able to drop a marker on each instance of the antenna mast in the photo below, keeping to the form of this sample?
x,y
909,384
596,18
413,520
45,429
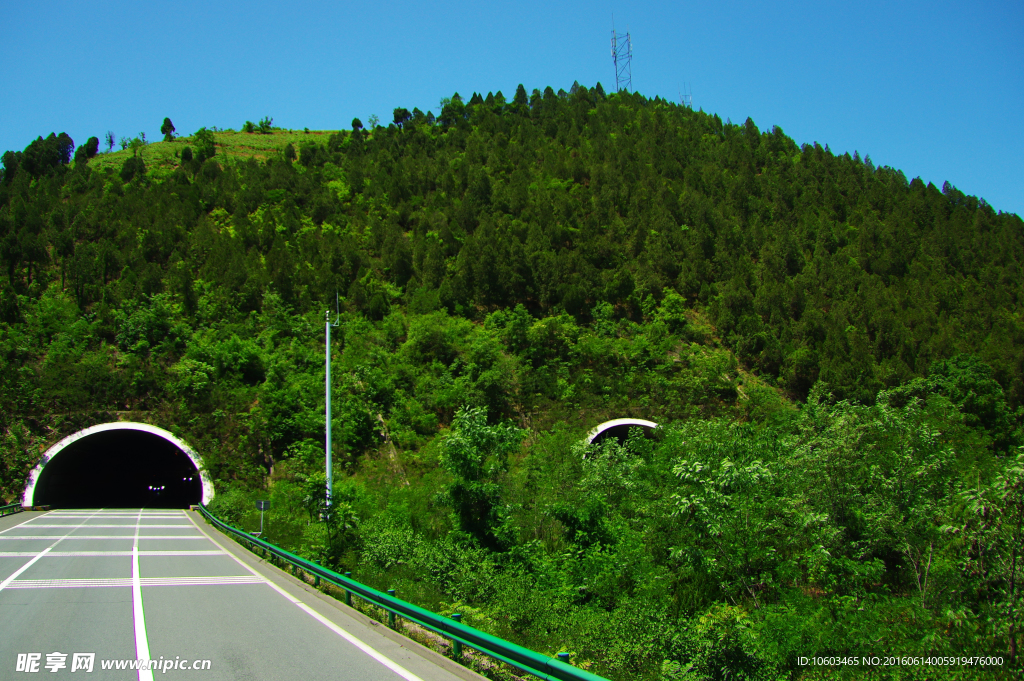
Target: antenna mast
x,y
329,464
686,96
622,58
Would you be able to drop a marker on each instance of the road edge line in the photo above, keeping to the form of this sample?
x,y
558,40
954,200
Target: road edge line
x,y
361,645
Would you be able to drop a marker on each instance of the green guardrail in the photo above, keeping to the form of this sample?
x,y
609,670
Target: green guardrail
x,y
10,508
541,666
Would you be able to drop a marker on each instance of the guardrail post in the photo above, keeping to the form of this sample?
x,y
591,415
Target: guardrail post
x,y
391,613
316,581
348,594
457,645
563,657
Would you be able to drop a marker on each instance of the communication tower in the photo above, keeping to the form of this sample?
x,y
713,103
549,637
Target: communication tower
x,y
686,96
622,57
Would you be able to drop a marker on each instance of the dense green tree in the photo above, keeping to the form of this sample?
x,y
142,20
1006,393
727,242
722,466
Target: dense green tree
x,y
42,155
476,455
11,161
205,144
520,99
133,167
452,110
401,116
87,150
167,130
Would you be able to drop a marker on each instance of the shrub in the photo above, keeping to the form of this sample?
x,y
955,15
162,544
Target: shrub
x,y
133,167
387,541
205,144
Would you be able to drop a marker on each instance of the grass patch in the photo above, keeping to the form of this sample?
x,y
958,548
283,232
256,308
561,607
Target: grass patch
x,y
231,146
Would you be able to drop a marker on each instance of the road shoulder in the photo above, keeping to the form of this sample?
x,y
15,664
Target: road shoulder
x,y
409,653
15,519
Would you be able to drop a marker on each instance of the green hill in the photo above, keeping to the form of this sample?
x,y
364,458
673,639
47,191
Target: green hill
x,y
836,355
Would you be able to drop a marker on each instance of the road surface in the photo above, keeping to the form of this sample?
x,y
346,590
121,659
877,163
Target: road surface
x,y
130,584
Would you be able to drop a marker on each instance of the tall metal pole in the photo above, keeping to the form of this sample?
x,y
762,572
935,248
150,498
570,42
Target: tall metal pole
x,y
330,468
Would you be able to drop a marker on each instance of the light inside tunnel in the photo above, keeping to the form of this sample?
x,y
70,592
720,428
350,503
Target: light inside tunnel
x,y
119,468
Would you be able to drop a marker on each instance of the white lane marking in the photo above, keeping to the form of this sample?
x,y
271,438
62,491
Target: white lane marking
x,y
29,564
116,514
101,515
4,584
75,554
138,615
127,527
106,536
130,582
387,662
106,518
14,527
86,514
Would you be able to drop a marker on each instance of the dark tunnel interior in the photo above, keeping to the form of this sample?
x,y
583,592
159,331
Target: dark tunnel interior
x,y
118,469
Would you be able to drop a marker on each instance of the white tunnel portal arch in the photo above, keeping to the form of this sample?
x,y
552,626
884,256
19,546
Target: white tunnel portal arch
x,y
28,498
614,423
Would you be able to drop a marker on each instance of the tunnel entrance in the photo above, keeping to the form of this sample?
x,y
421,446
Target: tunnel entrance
x,y
619,429
119,465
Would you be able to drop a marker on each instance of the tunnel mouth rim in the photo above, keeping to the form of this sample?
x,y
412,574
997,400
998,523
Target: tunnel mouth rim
x,y
28,497
601,427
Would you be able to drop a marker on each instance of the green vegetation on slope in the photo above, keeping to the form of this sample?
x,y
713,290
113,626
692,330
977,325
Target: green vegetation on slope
x,y
835,353
162,158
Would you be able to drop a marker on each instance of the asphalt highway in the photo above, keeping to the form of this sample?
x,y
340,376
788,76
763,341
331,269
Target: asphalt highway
x,y
130,584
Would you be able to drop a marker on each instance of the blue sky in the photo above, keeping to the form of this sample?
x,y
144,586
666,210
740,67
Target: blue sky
x,y
935,89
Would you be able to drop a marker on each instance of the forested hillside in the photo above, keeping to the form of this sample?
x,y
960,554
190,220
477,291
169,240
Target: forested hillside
x,y
836,355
